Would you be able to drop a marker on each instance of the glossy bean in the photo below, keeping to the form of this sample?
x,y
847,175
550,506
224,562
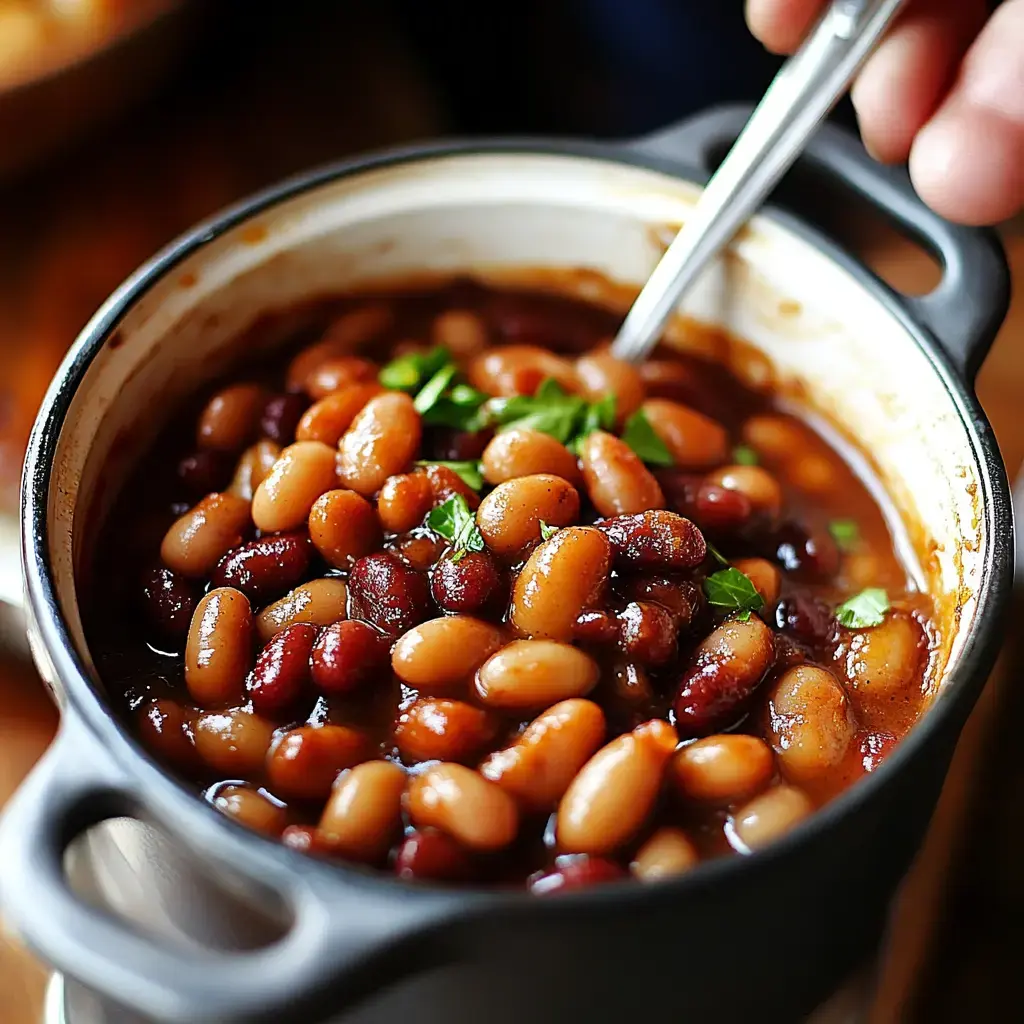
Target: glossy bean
x,y
529,674
767,817
523,452
616,480
460,331
347,655
170,600
509,517
349,332
281,417
253,468
445,483
428,855
281,673
319,602
336,374
304,762
647,633
656,539
166,729
519,370
363,815
884,661
442,653
251,808
755,483
404,501
266,567
343,526
435,729
693,440
764,575
303,472
204,472
389,593
230,418
233,743
468,584
382,440
421,550
218,652
722,769
327,420
197,540
669,852
577,872
601,374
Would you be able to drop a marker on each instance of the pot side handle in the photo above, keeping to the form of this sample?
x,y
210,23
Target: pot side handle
x,y
344,942
964,312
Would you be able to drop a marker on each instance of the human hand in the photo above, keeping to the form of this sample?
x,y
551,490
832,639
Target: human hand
x,y
945,89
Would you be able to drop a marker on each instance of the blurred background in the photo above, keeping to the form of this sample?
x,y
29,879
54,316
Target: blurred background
x,y
122,122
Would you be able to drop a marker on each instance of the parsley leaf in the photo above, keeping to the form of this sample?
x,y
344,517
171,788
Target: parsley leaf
x,y
453,520
411,372
428,395
640,436
469,471
550,410
744,455
729,588
865,609
845,533
547,531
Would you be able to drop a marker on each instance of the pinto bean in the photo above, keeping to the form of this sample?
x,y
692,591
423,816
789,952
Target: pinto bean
x,y
266,567
364,813
301,474
348,654
349,332
444,652
764,575
655,540
518,370
614,792
535,673
327,420
343,526
694,441
433,729
304,762
421,550
775,437
884,661
564,575
219,648
281,673
404,501
253,468
195,542
166,728
460,331
251,808
767,817
722,769
389,594
466,585
669,852
336,374
616,480
233,743
319,602
755,483
509,517
382,441
230,418
523,452
601,374
445,482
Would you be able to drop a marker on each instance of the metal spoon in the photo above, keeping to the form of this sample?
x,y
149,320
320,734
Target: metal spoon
x,y
809,85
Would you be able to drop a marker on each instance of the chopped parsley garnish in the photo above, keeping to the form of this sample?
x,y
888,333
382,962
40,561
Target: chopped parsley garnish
x,y
744,455
547,530
428,396
453,520
640,436
409,373
865,609
430,376
551,410
846,533
729,588
469,471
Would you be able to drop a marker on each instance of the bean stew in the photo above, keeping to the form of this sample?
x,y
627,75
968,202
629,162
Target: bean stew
x,y
448,591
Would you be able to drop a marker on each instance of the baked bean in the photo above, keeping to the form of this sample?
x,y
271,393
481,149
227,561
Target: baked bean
x,y
616,480
462,803
565,574
810,721
281,673
170,601
534,673
722,769
767,817
764,575
726,669
460,331
348,654
669,852
576,873
718,508
509,517
303,472
466,585
230,418
812,473
233,743
775,437
421,550
281,417
343,526
445,482
364,812
304,762
523,452
251,808
327,420
195,542
683,598
630,683
266,567
204,471
319,602
253,468
601,374
458,445
539,765
335,374
442,730
441,653
755,483
166,728
806,617
595,627
306,839
389,594
348,333
808,556
693,440
519,370
614,792
647,633
218,652
429,855
404,501
655,540
382,440
885,660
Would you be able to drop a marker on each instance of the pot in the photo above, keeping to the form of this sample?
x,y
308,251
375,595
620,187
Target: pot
x,y
225,925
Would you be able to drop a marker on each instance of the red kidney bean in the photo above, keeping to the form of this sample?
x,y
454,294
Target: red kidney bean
x,y
386,592
596,628
281,672
267,567
717,508
809,557
577,872
655,540
348,654
428,855
683,598
457,445
281,416
807,618
647,633
466,585
304,762
170,601
631,684
205,471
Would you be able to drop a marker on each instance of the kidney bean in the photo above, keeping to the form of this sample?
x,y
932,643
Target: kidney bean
x,y
389,594
655,540
767,817
229,420
466,585
328,419
541,762
304,762
647,633
755,483
195,542
233,743
253,468
669,378
725,671
683,598
805,556
577,873
281,673
432,729
319,602
565,574
775,437
266,567
404,501
204,471
460,331
364,812
170,601
523,452
165,728
442,653
303,472
518,370
595,628
601,374
721,509
874,747
219,647
348,654
693,440
281,416
614,792
452,445
251,808
458,801
445,482
669,852
343,526
350,331
509,517
806,618
616,480
631,683
722,769
381,441
427,855
766,577
884,661
421,550
535,673
338,373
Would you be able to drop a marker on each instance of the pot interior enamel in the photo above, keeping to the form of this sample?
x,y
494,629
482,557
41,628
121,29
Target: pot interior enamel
x,y
596,229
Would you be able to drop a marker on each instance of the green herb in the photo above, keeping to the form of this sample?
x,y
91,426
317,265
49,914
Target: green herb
x,y
865,609
463,411
744,455
547,531
729,588
470,472
715,553
453,520
409,373
550,410
845,533
430,393
640,436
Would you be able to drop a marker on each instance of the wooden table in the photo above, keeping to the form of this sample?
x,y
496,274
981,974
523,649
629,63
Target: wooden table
x,y
74,230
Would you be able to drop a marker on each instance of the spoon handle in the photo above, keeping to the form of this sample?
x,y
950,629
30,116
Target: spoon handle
x,y
798,100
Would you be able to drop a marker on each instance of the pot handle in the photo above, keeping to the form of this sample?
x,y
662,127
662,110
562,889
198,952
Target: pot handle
x,y
964,312
344,941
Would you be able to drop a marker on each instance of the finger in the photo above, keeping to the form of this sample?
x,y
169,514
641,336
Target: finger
x,y
905,79
967,162
781,24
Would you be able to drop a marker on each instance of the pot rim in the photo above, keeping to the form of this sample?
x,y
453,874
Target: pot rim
x,y
84,700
